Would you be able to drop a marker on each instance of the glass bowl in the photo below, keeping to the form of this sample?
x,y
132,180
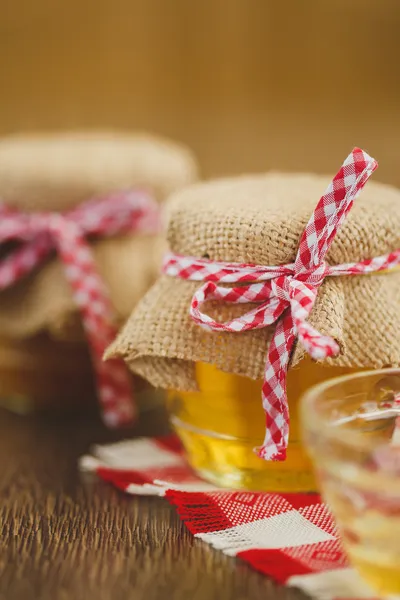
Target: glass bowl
x,y
349,426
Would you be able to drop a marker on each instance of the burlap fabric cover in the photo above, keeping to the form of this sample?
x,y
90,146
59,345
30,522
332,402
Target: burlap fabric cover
x,y
56,172
259,219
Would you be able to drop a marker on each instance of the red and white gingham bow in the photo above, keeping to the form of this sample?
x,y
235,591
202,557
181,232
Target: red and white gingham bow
x,y
285,294
41,233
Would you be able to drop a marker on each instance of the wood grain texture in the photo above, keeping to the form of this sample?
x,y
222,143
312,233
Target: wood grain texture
x,y
62,538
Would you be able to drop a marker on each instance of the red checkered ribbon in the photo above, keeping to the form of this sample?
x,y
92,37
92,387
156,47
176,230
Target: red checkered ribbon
x,y
285,294
39,234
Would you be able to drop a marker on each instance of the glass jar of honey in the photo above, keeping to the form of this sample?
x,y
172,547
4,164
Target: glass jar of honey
x,y
44,356
203,331
221,424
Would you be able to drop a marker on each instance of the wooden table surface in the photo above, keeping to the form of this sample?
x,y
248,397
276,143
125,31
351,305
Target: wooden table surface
x,y
63,538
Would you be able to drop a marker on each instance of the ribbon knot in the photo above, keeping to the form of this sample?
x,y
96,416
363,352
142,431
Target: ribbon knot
x,y
285,294
283,287
313,276
39,234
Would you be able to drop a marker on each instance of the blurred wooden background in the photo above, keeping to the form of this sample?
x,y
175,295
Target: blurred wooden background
x,y
249,84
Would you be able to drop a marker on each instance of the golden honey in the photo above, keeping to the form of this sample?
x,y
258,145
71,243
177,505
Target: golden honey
x,y
376,555
222,424
369,523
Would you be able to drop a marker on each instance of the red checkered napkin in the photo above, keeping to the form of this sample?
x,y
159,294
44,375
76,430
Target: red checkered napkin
x,y
289,537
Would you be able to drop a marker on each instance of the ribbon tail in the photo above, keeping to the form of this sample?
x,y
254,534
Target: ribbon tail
x,y
274,396
318,346
114,383
116,393
333,208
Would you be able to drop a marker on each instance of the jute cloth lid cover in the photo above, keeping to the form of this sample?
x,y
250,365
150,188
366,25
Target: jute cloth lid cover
x,y
259,220
59,171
